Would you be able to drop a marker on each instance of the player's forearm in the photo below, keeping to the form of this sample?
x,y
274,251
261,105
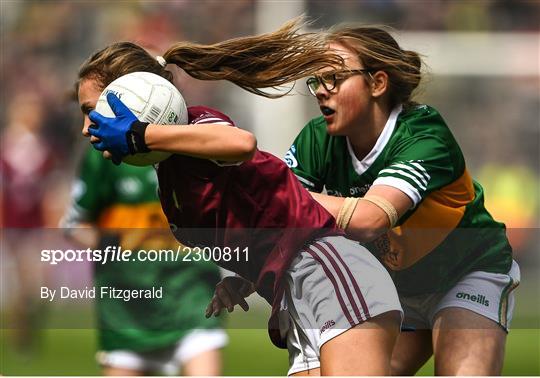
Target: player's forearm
x,y
330,203
210,141
367,221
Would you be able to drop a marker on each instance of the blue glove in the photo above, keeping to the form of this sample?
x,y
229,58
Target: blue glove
x,y
115,158
121,135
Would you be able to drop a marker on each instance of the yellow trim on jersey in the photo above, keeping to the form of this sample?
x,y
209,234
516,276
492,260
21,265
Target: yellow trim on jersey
x,y
436,216
140,226
146,215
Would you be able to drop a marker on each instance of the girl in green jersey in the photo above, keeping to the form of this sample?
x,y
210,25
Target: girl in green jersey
x,y
395,178
118,206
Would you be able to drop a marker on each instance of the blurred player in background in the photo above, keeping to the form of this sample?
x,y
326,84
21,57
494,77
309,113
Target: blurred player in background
x,y
119,206
395,167
26,163
339,309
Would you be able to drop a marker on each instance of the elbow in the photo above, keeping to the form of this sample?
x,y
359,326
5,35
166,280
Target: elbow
x,y
366,231
246,146
364,235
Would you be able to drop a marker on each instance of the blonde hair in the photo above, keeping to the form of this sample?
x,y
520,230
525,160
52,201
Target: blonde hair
x,y
379,51
252,63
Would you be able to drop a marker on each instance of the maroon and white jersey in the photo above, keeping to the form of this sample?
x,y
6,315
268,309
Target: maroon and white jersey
x,y
258,204
26,164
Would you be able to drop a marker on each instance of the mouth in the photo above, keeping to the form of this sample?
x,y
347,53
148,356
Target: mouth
x,y
326,111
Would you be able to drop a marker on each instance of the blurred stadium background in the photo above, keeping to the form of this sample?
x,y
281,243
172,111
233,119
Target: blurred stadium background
x,y
483,60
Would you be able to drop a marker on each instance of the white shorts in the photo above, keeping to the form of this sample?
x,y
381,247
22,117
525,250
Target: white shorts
x,y
488,294
168,360
331,286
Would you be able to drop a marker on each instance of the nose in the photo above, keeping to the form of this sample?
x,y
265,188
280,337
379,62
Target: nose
x,y
86,124
321,93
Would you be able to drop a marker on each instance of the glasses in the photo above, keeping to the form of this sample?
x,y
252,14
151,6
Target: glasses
x,y
330,79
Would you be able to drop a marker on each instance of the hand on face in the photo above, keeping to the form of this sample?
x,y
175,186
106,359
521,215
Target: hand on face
x,y
112,133
88,94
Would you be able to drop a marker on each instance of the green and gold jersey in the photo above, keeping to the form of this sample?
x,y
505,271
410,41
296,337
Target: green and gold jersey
x,y
122,202
447,233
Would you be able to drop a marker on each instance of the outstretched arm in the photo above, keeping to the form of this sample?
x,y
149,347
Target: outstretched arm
x,y
368,220
207,141
125,134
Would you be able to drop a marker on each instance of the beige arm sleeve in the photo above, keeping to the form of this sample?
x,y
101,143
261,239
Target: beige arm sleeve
x,y
386,206
349,205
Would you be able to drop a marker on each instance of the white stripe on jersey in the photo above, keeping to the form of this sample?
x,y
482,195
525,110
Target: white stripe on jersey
x,y
402,185
215,121
221,163
412,170
307,182
422,169
400,172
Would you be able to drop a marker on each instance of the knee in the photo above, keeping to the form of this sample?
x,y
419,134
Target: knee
x,y
412,351
402,367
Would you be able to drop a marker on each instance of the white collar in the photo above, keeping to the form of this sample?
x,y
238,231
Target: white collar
x,y
361,166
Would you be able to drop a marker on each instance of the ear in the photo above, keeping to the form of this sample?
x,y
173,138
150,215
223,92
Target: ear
x,y
379,83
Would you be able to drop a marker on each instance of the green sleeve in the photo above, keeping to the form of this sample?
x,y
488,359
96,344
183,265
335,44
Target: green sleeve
x,y
92,190
425,158
304,157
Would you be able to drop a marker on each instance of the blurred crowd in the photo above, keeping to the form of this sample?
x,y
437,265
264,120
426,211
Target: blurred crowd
x,y
432,15
44,42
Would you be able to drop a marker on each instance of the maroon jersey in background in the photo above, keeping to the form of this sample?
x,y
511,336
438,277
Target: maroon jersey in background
x,y
258,204
26,162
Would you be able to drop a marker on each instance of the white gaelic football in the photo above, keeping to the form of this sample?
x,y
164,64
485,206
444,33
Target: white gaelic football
x,y
152,99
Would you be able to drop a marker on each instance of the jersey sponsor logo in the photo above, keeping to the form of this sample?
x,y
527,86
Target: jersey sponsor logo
x,y
290,160
356,191
335,193
478,298
329,324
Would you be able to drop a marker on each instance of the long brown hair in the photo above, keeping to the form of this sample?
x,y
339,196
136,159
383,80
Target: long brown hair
x,y
253,63
378,50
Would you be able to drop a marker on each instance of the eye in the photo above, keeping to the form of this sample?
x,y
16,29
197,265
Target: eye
x,y
328,78
86,109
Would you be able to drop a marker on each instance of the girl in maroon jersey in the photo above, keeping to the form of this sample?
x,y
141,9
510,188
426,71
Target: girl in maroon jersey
x,y
334,306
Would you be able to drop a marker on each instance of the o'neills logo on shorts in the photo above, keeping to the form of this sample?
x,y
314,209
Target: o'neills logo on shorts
x,y
327,325
473,298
